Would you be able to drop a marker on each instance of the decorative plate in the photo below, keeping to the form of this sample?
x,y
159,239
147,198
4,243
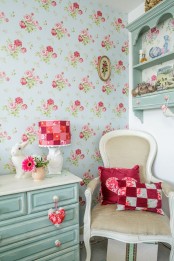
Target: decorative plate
x,y
104,68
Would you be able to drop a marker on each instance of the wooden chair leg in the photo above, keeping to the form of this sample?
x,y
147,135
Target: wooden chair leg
x,y
88,248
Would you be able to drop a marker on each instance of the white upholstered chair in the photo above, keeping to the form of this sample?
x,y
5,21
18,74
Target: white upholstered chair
x,y
124,149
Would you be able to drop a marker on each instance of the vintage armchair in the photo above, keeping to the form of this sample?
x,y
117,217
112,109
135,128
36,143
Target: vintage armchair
x,y
125,148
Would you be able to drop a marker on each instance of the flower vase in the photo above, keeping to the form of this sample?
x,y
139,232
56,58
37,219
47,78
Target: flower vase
x,y
38,174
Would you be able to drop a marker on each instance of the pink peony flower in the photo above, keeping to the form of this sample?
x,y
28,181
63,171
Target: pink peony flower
x,y
23,81
24,137
53,3
49,49
50,101
17,42
77,103
76,54
22,24
119,20
99,13
76,5
100,104
18,100
78,152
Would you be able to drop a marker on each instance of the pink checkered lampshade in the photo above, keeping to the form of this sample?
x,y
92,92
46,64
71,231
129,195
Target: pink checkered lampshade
x,y
54,133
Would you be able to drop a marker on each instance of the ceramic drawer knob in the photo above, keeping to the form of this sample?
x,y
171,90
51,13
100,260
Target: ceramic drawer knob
x,y
138,102
57,243
55,198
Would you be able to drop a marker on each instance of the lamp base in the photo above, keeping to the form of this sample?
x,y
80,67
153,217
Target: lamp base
x,y
55,160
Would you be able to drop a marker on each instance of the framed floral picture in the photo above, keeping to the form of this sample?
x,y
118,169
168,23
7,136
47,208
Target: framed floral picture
x,y
104,68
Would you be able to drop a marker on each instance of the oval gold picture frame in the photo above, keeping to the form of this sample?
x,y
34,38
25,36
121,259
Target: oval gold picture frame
x,y
104,68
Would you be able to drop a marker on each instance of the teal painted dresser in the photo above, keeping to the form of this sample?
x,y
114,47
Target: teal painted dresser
x,y
25,231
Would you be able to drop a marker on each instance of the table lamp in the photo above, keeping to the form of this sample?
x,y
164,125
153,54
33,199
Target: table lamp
x,y
54,134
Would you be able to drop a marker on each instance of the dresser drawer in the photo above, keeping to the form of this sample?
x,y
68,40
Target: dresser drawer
x,y
45,242
43,199
70,254
13,206
14,234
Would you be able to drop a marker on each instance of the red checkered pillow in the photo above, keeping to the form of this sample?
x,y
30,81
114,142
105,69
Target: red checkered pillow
x,y
109,177
139,196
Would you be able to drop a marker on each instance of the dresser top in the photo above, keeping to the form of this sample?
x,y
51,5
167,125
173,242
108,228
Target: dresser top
x,y
10,185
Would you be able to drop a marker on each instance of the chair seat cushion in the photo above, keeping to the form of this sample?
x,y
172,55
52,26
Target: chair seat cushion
x,y
106,217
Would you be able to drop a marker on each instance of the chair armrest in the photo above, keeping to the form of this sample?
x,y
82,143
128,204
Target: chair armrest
x,y
166,187
92,186
88,194
168,191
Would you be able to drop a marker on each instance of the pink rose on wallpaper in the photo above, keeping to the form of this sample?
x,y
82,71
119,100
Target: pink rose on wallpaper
x,y
118,24
60,82
47,107
3,17
29,24
125,89
30,79
4,136
74,58
30,134
98,109
107,43
46,4
46,54
151,35
97,18
19,100
107,129
15,106
119,67
85,85
84,37
14,48
75,108
120,109
59,30
73,10
86,132
76,156
125,47
3,77
96,156
86,178
108,87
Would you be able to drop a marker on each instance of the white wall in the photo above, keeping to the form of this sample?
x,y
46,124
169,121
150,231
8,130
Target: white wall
x,y
157,124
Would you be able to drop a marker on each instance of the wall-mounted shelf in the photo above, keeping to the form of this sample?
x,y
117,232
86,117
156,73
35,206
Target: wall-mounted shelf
x,y
150,19
153,100
161,59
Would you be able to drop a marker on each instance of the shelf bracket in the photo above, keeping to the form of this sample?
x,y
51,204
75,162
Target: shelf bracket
x,y
139,114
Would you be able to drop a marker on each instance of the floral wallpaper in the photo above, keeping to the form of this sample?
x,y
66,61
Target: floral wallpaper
x,y
49,51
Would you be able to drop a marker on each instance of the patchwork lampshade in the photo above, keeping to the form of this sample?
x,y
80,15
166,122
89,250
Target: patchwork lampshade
x,y
53,134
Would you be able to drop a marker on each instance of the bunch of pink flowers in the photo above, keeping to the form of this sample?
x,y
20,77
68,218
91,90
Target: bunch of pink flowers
x,y
30,163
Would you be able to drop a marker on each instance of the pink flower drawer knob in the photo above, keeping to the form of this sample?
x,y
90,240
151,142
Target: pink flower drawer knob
x,y
57,243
